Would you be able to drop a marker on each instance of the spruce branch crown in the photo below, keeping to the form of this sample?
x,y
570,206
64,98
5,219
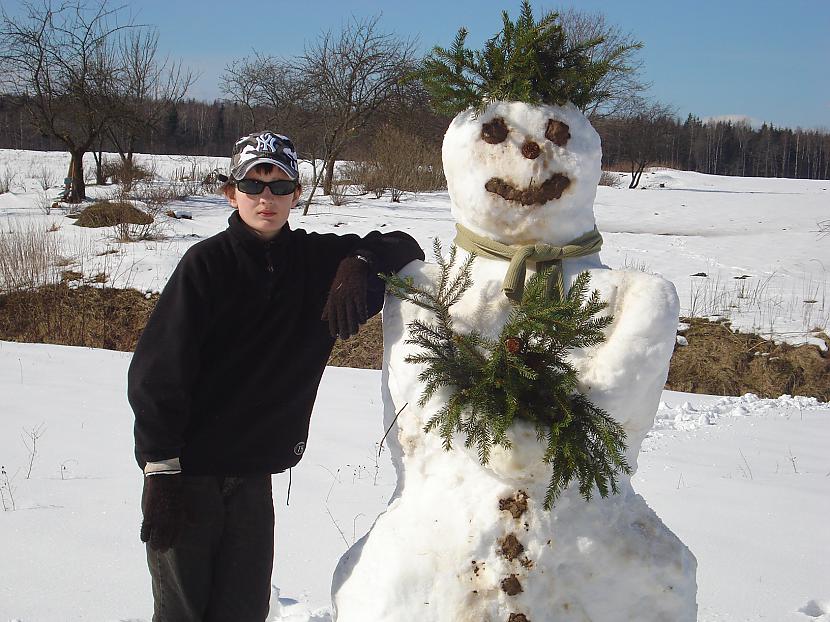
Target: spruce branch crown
x,y
527,61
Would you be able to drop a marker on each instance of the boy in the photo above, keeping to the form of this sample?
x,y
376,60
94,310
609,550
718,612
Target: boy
x,y
224,377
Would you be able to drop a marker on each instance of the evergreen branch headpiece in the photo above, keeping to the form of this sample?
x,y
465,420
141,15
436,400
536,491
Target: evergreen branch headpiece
x,y
527,61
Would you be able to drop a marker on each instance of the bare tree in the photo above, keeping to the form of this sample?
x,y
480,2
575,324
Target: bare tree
x,y
62,62
146,88
620,89
643,135
350,76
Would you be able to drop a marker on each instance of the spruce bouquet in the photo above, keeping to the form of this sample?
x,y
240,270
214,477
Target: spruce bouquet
x,y
524,374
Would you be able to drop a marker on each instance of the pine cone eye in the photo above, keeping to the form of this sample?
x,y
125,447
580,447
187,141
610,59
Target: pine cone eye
x,y
495,131
557,132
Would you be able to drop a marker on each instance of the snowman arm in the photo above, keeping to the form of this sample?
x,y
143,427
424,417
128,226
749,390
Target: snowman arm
x,y
631,366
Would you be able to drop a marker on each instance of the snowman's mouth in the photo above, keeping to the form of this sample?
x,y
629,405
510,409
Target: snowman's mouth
x,y
551,188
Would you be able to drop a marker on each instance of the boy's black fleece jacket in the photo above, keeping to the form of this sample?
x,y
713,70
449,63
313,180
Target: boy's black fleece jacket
x,y
226,371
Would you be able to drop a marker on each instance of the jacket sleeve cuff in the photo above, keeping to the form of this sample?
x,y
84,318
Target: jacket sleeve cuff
x,y
163,467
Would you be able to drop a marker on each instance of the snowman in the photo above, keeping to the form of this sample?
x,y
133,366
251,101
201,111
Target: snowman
x,y
470,540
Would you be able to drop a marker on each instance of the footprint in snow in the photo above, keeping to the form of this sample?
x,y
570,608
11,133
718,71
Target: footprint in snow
x,y
818,609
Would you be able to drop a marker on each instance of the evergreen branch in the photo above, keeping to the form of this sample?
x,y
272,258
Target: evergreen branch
x,y
524,373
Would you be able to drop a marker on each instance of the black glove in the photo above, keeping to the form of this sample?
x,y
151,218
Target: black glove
x,y
345,308
163,507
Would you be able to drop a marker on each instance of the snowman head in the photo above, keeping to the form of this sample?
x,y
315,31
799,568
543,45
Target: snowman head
x,y
523,173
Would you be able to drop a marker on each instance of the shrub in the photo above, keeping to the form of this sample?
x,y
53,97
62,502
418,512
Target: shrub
x,y
401,162
7,179
112,214
126,173
607,178
27,258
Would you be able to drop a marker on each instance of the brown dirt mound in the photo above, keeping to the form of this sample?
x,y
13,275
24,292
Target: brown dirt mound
x,y
107,214
83,316
719,361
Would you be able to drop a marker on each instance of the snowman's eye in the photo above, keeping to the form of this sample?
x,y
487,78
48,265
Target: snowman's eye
x,y
557,132
495,131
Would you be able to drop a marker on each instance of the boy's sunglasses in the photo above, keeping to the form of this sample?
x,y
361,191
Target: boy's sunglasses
x,y
279,187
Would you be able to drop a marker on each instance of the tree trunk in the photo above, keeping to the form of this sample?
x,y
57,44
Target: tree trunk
x,y
328,180
76,171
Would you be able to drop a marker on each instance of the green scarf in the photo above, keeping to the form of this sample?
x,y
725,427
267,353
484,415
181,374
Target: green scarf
x,y
544,255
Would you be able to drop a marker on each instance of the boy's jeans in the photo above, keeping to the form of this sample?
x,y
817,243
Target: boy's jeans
x,y
220,568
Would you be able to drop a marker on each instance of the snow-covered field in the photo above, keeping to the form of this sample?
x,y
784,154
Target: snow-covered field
x,y
745,483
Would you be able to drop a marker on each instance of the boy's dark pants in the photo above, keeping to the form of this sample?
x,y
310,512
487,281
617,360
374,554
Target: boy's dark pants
x,y
220,567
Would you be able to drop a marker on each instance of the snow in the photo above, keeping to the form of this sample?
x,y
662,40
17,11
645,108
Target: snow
x,y
744,482
71,549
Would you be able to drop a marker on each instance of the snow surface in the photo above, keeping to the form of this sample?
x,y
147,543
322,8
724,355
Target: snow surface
x,y
743,482
70,550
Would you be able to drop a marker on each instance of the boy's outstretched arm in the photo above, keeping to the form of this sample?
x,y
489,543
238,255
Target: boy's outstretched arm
x,y
356,292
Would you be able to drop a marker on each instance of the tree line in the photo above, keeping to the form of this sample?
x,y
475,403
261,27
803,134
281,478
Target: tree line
x,y
79,77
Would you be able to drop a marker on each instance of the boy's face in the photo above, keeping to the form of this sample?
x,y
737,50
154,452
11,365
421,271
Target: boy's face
x,y
265,213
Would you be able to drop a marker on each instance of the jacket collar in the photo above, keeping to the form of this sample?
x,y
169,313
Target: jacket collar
x,y
251,240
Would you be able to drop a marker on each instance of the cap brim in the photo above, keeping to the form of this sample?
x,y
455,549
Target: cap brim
x,y
242,169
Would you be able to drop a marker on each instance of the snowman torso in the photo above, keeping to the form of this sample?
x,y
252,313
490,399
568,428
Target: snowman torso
x,y
465,541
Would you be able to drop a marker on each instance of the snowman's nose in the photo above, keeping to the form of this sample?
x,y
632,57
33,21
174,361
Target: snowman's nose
x,y
531,150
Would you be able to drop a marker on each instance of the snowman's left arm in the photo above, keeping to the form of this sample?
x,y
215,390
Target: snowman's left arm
x,y
629,369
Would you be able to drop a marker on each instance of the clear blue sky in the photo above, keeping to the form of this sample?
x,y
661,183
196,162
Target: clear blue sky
x,y
768,60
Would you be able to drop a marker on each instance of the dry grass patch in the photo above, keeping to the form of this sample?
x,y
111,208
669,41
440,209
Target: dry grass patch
x,y
364,350
77,316
111,214
719,361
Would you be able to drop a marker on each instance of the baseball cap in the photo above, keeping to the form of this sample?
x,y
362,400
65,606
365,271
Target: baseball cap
x,y
263,148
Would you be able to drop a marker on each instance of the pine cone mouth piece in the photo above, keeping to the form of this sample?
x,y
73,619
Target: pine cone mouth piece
x,y
551,188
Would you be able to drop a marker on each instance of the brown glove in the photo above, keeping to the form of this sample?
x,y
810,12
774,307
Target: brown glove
x,y
345,308
163,506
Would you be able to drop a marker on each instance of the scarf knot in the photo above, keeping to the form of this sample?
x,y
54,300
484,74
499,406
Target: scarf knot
x,y
545,256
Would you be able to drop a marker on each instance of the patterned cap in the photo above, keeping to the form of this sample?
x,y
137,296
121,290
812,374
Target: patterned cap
x,y
263,148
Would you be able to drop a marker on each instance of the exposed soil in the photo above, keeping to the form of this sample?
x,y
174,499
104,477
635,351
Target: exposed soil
x,y
719,361
107,214
515,505
530,150
510,547
511,585
558,133
80,316
716,360
364,350
495,131
517,617
551,188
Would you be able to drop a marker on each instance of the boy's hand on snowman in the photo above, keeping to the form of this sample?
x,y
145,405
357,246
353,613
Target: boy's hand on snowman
x,y
345,308
163,507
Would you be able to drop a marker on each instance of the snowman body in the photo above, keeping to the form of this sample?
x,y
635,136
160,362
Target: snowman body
x,y
462,541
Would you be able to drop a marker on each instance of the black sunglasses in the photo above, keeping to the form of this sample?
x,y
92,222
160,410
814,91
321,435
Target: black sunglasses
x,y
279,187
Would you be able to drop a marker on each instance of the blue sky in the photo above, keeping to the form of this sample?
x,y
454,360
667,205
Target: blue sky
x,y
768,60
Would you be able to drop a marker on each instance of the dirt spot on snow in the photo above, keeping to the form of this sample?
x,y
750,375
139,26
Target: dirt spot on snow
x,y
510,548
517,617
511,585
557,132
720,361
515,505
495,131
530,150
